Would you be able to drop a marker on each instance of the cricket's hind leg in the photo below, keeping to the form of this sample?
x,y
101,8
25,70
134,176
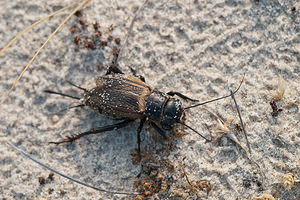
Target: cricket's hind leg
x,y
99,130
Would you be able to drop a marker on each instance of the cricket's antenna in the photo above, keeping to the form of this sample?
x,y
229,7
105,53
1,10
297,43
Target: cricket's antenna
x,y
129,32
212,100
37,53
207,140
66,176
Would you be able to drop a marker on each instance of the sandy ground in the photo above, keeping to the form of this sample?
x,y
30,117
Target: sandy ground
x,y
199,48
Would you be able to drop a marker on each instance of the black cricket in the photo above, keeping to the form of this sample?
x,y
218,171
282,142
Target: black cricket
x,y
127,98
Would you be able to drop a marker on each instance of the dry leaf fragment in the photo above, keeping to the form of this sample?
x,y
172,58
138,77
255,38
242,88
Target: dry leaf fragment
x,y
288,181
265,197
223,126
280,91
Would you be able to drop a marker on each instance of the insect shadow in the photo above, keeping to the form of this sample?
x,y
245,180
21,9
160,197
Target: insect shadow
x,y
128,98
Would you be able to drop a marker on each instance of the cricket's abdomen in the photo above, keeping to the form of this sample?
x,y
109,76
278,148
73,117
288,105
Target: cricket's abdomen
x,y
118,96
